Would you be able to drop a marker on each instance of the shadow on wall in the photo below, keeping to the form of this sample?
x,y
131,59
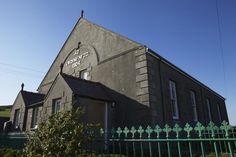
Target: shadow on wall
x,y
128,112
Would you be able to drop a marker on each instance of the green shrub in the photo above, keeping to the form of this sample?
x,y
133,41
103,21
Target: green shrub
x,y
8,152
63,134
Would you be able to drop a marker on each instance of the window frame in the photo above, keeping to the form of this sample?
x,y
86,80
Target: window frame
x,y
17,118
34,119
194,105
209,109
83,74
174,100
55,105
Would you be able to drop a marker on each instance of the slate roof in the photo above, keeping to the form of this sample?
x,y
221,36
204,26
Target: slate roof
x,y
31,98
85,88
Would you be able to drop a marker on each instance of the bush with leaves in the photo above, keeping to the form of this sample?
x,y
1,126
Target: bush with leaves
x,y
63,134
9,152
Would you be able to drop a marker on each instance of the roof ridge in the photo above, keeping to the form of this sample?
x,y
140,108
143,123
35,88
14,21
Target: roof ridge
x,y
79,79
110,31
32,92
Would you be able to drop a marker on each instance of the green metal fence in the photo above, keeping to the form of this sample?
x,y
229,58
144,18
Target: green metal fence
x,y
154,141
174,141
13,140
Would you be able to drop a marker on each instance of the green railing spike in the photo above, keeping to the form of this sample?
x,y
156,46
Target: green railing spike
x,y
101,131
140,131
167,129
211,128
133,131
126,131
113,131
119,131
188,129
199,128
225,127
149,131
177,129
157,130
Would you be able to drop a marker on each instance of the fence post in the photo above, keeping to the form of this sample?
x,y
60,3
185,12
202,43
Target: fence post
x,y
140,131
126,131
226,127
188,129
200,128
112,137
177,129
211,128
133,131
158,130
149,131
167,130
119,131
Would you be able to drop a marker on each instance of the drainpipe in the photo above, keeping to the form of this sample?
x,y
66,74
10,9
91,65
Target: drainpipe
x,y
106,126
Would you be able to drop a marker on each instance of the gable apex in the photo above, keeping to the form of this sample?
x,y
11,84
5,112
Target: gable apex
x,y
105,43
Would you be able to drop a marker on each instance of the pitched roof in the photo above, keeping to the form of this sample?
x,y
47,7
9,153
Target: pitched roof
x,y
86,88
31,98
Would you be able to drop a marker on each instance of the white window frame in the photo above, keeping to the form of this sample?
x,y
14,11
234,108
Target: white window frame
x,y
209,110
173,100
194,105
84,74
17,119
34,121
56,106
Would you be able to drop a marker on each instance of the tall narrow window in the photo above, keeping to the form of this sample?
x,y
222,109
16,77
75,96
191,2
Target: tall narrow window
x,y
34,122
209,109
219,113
56,105
84,74
17,119
194,105
173,99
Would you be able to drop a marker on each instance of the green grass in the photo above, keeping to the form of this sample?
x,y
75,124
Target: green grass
x,y
5,111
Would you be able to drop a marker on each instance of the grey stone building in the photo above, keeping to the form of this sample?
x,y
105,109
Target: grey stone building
x,y
118,82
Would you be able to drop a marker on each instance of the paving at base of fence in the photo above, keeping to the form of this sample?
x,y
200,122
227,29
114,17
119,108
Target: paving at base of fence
x,y
153,141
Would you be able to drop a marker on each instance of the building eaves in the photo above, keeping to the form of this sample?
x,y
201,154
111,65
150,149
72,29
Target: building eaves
x,y
86,88
153,53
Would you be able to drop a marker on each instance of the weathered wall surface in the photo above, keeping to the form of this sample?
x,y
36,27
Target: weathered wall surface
x,y
59,90
106,44
18,104
29,117
118,74
159,75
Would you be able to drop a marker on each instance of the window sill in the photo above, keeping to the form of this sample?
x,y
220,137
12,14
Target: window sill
x,y
34,128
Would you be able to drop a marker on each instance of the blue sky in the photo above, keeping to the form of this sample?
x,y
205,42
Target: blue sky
x,y
185,32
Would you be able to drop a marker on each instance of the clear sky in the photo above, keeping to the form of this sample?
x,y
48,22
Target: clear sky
x,y
183,31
